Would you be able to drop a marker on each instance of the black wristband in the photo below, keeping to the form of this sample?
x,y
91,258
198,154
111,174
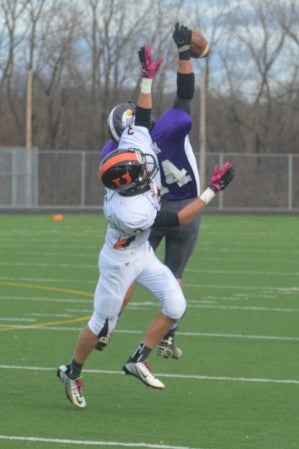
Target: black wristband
x,y
184,55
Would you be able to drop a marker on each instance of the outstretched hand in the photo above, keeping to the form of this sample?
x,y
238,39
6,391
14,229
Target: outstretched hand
x,y
182,36
149,67
221,177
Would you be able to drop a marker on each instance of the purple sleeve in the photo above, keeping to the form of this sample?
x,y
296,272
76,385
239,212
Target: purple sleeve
x,y
108,147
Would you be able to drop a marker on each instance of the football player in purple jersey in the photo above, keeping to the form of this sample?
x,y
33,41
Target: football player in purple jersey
x,y
178,170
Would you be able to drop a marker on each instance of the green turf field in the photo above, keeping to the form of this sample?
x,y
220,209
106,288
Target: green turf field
x,y
237,384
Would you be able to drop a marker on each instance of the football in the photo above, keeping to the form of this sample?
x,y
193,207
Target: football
x,y
199,47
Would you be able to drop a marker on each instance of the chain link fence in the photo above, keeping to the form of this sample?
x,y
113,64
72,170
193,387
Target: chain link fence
x,y
34,179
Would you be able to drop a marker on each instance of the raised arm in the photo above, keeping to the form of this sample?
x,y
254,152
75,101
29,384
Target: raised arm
x,y
185,75
149,69
219,180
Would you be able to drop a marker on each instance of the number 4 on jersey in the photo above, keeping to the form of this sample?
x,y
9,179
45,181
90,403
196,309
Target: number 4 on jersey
x,y
173,175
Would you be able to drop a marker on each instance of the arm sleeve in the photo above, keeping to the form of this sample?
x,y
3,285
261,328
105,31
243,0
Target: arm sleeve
x,y
167,219
143,117
182,104
185,91
185,86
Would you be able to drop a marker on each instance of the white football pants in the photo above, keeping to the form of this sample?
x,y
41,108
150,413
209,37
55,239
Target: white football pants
x,y
118,270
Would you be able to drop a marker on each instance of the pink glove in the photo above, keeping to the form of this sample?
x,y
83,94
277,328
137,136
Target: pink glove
x,y
149,67
221,178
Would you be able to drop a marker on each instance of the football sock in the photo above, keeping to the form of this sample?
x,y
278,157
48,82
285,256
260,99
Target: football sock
x,y
170,333
75,369
140,354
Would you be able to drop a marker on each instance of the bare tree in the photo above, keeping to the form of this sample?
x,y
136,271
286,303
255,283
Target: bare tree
x,y
11,37
117,29
286,112
251,63
82,55
55,76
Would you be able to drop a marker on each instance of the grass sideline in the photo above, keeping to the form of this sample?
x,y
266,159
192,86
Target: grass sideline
x,y
237,384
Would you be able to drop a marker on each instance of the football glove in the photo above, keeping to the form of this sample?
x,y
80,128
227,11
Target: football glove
x,y
149,67
221,178
182,36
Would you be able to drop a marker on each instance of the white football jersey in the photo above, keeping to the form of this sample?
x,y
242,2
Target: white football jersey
x,y
130,218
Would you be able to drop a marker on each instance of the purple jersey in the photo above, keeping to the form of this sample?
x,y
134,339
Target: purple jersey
x,y
178,167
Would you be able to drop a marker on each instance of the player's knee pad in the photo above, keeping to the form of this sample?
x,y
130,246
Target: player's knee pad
x,y
176,308
102,326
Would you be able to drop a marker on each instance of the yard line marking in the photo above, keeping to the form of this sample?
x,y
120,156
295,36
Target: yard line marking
x,y
45,287
27,298
253,308
11,282
56,315
44,264
254,337
192,303
93,443
243,287
4,327
174,376
41,325
47,280
255,272
16,319
190,270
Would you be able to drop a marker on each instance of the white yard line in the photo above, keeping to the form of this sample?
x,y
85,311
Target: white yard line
x,y
192,303
173,376
93,443
266,288
141,332
199,271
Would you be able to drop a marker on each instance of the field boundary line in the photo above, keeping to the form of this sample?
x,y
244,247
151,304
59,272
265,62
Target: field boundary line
x,y
174,376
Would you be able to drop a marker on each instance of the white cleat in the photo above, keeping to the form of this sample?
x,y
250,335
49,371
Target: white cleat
x,y
167,349
143,373
73,388
102,343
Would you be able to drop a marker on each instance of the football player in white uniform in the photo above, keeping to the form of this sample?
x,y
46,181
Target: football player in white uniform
x,y
179,173
131,207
